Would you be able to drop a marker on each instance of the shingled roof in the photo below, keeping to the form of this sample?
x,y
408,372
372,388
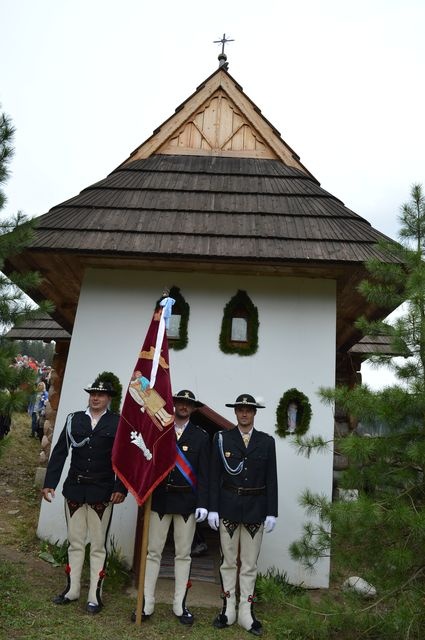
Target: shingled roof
x,y
214,187
42,327
211,208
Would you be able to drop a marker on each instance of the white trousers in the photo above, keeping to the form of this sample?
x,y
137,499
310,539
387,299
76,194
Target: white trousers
x,y
87,525
183,538
248,548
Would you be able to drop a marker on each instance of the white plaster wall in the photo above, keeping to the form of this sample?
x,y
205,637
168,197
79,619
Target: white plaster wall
x,y
296,349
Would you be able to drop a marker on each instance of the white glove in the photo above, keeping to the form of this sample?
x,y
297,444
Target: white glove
x,y
200,514
213,520
269,524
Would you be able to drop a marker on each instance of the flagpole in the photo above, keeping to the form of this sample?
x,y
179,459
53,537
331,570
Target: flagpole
x,y
142,566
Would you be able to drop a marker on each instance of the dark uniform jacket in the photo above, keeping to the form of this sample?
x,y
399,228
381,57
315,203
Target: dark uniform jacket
x,y
174,494
91,477
251,495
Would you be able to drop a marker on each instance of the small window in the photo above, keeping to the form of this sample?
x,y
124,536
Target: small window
x,y
239,331
239,328
178,323
174,323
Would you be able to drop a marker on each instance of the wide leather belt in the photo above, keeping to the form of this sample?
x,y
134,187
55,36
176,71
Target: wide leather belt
x,y
81,478
175,488
245,491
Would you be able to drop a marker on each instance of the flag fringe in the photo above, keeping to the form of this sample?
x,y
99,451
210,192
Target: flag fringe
x,y
133,491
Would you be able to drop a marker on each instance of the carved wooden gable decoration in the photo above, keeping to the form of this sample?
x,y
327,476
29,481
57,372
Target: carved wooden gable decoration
x,y
218,119
218,126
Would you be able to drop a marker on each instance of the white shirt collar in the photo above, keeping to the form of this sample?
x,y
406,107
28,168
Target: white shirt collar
x,y
246,433
181,429
94,421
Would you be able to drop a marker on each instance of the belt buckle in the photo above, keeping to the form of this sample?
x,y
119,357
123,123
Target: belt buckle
x,y
240,490
78,478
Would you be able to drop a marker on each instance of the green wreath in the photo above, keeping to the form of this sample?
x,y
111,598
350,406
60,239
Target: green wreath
x,y
108,376
241,299
303,413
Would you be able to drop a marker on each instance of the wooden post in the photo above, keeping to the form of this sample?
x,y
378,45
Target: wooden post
x,y
142,566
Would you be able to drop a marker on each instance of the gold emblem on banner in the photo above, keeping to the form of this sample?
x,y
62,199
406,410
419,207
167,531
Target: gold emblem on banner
x,y
149,400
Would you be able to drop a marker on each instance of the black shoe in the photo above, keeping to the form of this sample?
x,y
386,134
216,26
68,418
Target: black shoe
x,y
145,616
256,628
186,617
199,550
93,608
61,599
220,622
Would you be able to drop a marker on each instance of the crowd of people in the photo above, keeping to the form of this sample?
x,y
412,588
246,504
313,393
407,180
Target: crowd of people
x,y
38,400
42,370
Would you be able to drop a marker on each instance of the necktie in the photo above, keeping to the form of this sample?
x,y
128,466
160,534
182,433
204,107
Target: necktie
x,y
178,433
245,438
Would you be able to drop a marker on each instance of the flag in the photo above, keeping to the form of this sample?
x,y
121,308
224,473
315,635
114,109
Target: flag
x,y
144,450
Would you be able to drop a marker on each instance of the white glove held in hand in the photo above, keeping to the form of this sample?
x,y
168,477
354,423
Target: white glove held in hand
x,y
269,524
213,520
200,514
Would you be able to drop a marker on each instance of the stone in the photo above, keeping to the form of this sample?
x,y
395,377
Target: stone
x,y
340,461
348,495
360,586
40,474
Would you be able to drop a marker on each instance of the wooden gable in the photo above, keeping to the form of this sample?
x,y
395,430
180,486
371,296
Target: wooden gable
x,y
219,119
218,127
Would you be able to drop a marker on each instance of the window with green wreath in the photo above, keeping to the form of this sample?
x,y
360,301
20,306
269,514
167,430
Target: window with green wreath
x,y
178,322
239,327
293,413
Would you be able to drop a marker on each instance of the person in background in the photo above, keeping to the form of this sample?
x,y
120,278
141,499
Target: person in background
x,y
41,399
243,504
37,405
90,490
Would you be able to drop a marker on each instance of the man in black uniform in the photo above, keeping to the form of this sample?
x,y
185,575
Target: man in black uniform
x,y
90,489
243,503
181,499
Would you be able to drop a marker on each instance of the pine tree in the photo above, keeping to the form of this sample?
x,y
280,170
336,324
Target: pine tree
x,y
381,535
15,306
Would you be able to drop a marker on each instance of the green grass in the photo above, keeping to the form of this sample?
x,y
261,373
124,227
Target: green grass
x,y
27,585
27,612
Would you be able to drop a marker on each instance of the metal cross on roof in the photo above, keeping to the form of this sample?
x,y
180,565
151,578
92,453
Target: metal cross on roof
x,y
223,42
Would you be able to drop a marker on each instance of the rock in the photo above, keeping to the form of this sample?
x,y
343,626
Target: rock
x,y
360,586
348,495
13,512
340,462
40,474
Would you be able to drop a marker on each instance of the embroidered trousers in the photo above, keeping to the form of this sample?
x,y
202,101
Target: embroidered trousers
x,y
87,523
183,537
249,549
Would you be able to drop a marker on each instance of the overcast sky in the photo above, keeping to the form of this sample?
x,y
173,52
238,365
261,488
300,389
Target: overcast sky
x,y
87,81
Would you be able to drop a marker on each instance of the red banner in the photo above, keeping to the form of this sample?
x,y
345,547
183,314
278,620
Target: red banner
x,y
145,445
